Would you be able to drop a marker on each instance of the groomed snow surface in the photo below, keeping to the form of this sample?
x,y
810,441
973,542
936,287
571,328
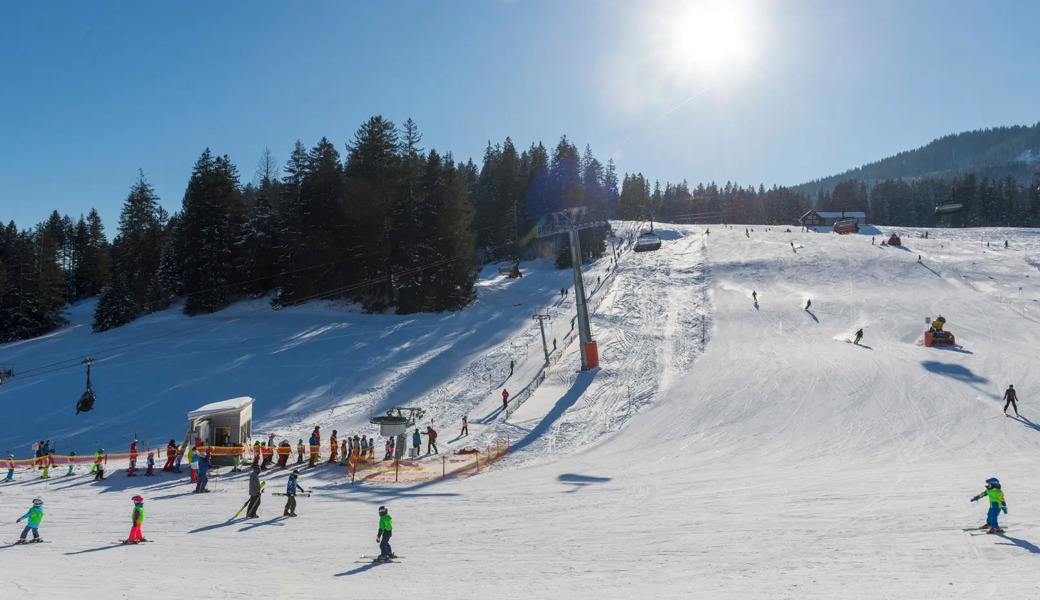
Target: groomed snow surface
x,y
723,449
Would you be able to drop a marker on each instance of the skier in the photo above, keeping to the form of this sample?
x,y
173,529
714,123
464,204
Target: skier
x,y
299,452
10,467
505,398
431,440
72,462
554,344
918,259
465,423
290,492
808,304
333,446
193,464
150,471
177,461
416,441
171,454
35,516
792,248
284,450
136,518
996,504
204,462
511,365
389,449
356,445
99,467
315,442
236,459
268,452
383,535
859,336
254,492
754,296
1005,244
133,460
1011,398
871,240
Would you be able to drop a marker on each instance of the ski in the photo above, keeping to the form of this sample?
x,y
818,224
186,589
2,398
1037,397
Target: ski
x,y
29,543
986,532
129,543
246,503
308,494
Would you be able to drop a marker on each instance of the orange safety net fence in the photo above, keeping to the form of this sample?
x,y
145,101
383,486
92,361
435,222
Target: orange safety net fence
x,y
369,468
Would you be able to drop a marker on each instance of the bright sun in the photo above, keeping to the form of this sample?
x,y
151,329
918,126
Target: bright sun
x,y
711,36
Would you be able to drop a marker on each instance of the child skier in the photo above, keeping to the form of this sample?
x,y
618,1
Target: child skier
x,y
132,471
193,464
290,493
10,467
299,452
465,426
383,535
99,474
35,515
996,504
136,518
859,336
150,471
72,462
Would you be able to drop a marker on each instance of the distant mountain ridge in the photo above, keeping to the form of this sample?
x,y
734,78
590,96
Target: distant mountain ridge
x,y
994,153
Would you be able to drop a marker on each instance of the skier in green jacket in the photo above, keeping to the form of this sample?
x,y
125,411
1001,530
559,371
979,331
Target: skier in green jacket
x,y
996,504
383,536
35,516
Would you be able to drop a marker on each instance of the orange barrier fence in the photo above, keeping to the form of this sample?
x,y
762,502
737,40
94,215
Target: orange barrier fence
x,y
409,470
361,469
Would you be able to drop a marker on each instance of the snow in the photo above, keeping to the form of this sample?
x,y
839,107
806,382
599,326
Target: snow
x,y
223,406
721,449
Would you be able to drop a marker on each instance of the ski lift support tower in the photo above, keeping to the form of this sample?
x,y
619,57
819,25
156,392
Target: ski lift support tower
x,y
571,221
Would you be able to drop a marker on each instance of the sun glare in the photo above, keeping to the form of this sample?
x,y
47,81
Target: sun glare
x,y
713,37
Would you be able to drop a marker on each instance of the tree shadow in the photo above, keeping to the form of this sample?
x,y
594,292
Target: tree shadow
x,y
813,315
1025,545
957,372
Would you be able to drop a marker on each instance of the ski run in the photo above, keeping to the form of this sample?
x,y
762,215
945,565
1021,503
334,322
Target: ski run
x,y
726,447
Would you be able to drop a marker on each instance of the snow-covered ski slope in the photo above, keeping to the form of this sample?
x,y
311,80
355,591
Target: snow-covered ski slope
x,y
764,456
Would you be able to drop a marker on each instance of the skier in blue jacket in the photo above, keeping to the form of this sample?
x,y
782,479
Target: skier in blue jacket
x,y
200,487
290,493
35,515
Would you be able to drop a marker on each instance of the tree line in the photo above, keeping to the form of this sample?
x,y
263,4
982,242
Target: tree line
x,y
387,225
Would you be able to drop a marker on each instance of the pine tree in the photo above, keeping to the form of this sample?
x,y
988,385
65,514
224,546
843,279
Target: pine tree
x,y
115,306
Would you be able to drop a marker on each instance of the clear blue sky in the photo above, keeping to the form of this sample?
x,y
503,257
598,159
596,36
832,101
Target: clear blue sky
x,y
91,91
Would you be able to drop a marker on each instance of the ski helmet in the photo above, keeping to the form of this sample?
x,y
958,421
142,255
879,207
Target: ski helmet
x,y
295,473
137,499
37,502
382,511
993,481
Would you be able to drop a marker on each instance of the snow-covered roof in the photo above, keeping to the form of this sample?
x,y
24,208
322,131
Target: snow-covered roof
x,y
233,404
